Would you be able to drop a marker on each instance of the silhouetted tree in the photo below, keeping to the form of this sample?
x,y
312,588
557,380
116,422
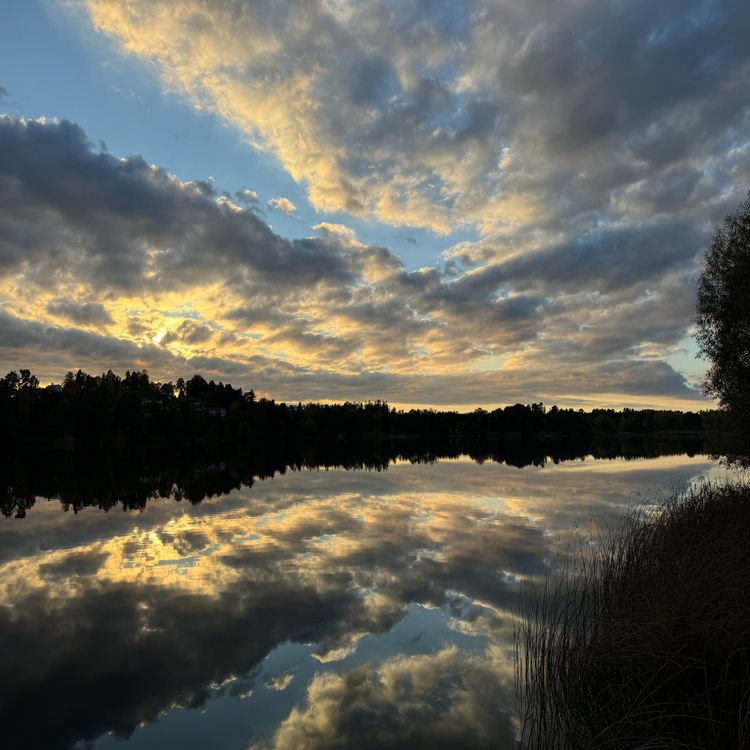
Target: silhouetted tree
x,y
196,386
723,314
28,380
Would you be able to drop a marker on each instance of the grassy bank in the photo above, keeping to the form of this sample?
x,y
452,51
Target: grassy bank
x,y
642,640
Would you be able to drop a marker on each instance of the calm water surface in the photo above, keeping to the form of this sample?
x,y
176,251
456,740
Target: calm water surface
x,y
318,609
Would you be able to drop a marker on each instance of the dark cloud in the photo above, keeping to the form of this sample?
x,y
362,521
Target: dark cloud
x,y
616,259
85,563
87,313
189,332
24,338
68,209
610,68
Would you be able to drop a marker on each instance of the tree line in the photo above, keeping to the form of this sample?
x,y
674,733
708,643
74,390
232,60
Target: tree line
x,y
134,408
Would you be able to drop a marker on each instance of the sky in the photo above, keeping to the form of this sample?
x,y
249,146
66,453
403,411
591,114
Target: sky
x,y
441,204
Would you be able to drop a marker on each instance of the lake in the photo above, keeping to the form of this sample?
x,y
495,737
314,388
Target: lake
x,y
317,608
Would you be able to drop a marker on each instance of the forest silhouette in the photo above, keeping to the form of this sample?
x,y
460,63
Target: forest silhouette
x,y
87,409
108,441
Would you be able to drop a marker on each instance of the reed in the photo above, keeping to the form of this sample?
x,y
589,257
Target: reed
x,y
641,637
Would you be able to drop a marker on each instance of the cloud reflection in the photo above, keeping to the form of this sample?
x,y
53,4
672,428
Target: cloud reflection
x,y
123,618
444,700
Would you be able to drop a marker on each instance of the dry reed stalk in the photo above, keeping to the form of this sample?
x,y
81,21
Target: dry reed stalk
x,y
641,636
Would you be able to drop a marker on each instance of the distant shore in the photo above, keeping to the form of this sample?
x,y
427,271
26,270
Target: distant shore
x,y
133,409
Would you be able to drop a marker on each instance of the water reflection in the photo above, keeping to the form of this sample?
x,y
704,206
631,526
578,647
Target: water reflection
x,y
132,478
321,609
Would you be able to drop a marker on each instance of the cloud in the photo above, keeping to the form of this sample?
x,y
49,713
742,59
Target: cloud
x,y
84,563
28,335
4,94
485,113
589,146
124,224
248,198
189,279
189,332
336,231
87,313
51,351
282,204
280,681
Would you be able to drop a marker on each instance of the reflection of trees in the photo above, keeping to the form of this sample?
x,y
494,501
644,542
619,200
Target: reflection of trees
x,y
108,478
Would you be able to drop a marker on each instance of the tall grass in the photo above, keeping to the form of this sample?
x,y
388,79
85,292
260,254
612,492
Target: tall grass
x,y
642,639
